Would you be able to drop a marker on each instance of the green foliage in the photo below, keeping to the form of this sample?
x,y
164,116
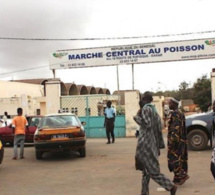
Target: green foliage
x,y
183,86
120,110
174,93
202,92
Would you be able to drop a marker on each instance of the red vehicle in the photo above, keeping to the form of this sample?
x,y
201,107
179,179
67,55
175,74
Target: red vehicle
x,y
6,132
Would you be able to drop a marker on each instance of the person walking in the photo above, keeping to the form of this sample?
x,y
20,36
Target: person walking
x,y
149,143
212,168
19,124
141,104
177,144
110,114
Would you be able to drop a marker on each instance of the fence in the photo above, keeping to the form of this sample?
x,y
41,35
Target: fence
x,y
90,108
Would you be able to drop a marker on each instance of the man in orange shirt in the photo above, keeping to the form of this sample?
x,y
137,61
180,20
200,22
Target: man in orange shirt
x,y
19,123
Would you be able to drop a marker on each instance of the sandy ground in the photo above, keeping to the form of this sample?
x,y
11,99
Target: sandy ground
x,y
107,170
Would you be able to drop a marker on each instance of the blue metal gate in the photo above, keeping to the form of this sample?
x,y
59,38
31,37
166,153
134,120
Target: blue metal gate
x,y
95,126
89,108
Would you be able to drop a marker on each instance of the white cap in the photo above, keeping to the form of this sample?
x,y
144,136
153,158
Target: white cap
x,y
174,100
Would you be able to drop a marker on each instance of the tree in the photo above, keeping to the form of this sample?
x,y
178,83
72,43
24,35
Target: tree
x,y
202,93
185,91
183,86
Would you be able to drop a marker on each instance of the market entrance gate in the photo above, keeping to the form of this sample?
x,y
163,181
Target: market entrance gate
x,y
90,109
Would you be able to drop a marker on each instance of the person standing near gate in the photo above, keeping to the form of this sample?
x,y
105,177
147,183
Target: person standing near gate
x,y
110,114
19,124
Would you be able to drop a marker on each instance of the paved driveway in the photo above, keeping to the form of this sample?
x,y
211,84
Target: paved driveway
x,y
107,170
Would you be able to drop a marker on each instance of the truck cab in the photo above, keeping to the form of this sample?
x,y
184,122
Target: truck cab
x,y
199,130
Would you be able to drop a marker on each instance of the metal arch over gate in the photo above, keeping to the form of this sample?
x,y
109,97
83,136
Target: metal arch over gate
x,y
89,108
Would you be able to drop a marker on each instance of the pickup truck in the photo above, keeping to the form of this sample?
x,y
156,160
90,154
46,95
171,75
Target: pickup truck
x,y
199,130
6,132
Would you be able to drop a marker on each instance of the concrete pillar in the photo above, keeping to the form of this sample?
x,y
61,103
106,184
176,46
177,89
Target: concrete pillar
x,y
157,102
131,108
213,85
53,93
24,104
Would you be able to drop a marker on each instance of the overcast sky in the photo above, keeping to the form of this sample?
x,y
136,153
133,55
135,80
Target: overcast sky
x,y
76,19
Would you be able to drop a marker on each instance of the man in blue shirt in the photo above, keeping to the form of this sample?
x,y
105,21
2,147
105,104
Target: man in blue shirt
x,y
110,114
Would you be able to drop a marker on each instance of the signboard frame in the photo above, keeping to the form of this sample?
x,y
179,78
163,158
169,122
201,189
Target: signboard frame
x,y
133,54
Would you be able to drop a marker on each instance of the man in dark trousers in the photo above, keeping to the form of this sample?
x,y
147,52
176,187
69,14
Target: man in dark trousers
x,y
150,141
110,114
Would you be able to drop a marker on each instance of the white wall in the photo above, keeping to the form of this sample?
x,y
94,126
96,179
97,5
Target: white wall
x,y
53,96
157,102
131,108
24,95
16,89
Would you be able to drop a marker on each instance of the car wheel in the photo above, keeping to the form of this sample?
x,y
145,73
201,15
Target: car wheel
x,y
82,152
197,140
39,155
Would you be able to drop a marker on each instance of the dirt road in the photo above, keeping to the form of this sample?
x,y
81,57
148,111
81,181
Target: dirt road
x,y
107,170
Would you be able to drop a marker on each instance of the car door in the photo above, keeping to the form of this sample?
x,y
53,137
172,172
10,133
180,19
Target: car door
x,y
6,133
32,126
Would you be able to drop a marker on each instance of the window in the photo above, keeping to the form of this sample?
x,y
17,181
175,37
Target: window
x,y
35,121
74,110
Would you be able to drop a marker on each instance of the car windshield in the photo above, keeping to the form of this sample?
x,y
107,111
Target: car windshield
x,y
59,121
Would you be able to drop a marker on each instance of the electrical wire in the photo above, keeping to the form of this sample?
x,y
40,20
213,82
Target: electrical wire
x,y
107,38
93,39
24,70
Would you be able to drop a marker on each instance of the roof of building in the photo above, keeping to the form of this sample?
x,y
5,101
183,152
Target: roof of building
x,y
68,88
187,102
